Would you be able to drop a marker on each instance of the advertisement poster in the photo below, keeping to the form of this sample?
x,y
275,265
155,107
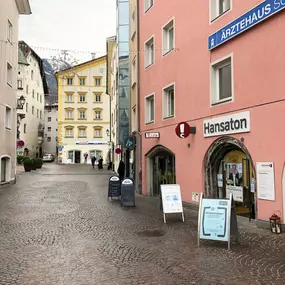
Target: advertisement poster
x,y
265,180
234,181
214,221
171,198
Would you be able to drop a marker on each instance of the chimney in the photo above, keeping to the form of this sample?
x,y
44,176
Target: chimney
x,y
93,55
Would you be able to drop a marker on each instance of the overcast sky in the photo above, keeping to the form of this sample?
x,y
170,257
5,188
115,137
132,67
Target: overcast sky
x,y
81,25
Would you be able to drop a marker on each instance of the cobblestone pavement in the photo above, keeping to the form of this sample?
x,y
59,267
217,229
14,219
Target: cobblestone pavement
x,y
57,227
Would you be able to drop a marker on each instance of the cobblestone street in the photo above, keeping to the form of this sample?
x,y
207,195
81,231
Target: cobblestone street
x,y
57,227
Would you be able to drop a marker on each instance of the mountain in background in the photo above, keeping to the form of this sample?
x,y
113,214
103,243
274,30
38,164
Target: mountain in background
x,y
55,64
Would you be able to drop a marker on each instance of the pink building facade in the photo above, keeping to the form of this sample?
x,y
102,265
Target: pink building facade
x,y
228,87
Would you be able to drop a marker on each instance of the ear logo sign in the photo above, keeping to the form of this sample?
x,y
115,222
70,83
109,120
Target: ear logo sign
x,y
182,130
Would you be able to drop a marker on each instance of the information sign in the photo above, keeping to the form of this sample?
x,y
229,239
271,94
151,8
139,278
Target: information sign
x,y
171,200
237,192
128,193
265,180
114,189
217,220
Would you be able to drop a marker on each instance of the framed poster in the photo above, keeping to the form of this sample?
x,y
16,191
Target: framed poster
x,y
265,181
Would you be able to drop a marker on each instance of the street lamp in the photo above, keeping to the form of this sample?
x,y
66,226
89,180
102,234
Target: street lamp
x,y
21,102
107,132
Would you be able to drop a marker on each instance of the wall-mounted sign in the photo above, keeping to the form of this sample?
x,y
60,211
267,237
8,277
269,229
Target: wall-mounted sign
x,y
230,124
182,130
171,200
265,181
249,19
195,197
217,220
130,142
91,142
152,135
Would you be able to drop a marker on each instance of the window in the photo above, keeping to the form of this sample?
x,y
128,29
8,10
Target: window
x,y
49,139
25,128
69,132
41,114
27,89
33,94
20,84
219,7
9,74
98,115
97,81
38,112
38,96
149,109
168,102
148,4
82,132
149,52
49,129
97,132
10,32
69,98
82,81
82,115
49,119
221,81
32,75
134,72
33,110
8,118
168,37
82,98
97,98
69,81
69,114
27,107
41,99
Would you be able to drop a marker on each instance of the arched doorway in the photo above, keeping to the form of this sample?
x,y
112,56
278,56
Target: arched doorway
x,y
160,167
228,168
5,169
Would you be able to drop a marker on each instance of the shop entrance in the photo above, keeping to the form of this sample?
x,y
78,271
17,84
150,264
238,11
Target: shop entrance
x,y
77,155
161,169
229,169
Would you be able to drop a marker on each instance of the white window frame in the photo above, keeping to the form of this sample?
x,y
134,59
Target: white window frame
x,y
69,81
99,116
214,6
165,36
8,118
96,81
148,4
98,96
148,120
147,43
67,114
68,133
9,74
165,110
9,32
82,115
82,133
82,96
98,133
214,80
68,96
82,81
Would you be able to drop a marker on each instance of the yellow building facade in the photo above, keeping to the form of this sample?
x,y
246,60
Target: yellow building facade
x,y
83,113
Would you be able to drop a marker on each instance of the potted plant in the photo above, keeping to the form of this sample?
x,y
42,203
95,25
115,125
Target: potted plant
x,y
34,167
20,159
38,163
28,163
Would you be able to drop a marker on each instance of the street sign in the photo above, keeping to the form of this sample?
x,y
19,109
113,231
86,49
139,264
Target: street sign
x,y
114,189
152,135
128,193
20,144
217,220
171,200
183,130
130,142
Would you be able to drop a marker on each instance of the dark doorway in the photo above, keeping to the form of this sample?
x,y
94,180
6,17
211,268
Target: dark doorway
x,y
228,168
3,169
40,152
77,156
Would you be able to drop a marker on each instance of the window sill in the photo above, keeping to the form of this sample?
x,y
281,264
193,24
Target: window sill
x,y
98,102
82,119
8,129
168,52
148,66
149,123
82,102
228,100
147,9
168,117
82,137
97,119
69,102
69,137
97,137
9,84
69,119
221,15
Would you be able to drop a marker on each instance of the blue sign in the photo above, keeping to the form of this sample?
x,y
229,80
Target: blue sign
x,y
256,15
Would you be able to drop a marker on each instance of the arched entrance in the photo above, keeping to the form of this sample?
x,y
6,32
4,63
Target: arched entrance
x,y
160,167
5,169
228,168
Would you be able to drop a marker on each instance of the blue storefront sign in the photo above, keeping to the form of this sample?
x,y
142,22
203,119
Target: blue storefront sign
x,y
256,15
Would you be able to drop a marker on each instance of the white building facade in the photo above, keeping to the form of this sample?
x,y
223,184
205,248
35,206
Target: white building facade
x,y
83,113
32,86
51,129
9,17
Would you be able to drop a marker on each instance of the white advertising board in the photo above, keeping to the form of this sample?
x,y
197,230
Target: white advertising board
x,y
265,181
171,199
237,192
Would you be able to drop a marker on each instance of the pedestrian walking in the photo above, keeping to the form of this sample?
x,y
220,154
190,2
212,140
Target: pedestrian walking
x,y
121,170
93,159
100,163
85,157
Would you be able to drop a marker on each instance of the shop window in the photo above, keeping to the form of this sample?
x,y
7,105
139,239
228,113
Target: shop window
x,y
221,81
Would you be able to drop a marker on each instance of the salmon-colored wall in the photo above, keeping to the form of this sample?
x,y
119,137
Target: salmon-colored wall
x,y
258,71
